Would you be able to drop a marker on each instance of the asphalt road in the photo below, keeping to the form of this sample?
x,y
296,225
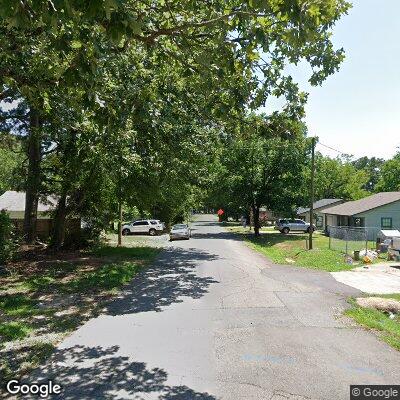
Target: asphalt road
x,y
211,319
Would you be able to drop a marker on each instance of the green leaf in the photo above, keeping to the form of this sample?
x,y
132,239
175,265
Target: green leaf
x,y
76,44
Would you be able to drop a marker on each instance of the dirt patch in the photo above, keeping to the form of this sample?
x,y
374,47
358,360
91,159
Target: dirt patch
x,y
37,261
379,303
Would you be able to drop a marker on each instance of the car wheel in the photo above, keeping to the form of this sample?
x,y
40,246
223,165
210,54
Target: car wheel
x,y
285,231
126,232
309,229
152,232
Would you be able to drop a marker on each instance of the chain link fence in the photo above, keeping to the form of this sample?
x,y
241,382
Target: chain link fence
x,y
349,239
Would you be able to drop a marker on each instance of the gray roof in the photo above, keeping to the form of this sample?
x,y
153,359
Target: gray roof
x,y
367,203
15,201
318,204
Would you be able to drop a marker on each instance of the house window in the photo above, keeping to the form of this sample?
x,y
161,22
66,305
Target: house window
x,y
386,223
357,222
319,221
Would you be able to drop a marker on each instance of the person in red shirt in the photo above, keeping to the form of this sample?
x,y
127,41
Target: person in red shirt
x,y
220,213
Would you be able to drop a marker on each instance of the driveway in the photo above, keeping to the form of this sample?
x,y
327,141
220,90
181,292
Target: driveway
x,y
374,278
211,319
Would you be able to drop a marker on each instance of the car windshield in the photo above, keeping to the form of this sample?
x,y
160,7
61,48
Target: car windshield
x,y
179,226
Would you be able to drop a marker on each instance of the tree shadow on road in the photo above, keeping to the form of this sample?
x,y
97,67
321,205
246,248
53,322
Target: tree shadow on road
x,y
217,235
169,280
100,373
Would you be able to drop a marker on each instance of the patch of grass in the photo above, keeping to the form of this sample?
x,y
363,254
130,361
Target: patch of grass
x,y
135,241
377,320
38,353
393,341
39,283
66,322
142,252
13,331
108,277
394,296
17,305
291,249
24,360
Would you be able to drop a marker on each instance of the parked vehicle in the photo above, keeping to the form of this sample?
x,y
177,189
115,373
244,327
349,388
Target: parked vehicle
x,y
150,227
287,225
179,231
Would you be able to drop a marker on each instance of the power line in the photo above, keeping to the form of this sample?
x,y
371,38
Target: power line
x,y
331,148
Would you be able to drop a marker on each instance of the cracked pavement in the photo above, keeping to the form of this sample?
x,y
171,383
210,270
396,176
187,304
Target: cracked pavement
x,y
212,319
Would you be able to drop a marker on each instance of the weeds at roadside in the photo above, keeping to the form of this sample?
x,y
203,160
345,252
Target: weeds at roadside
x,y
387,328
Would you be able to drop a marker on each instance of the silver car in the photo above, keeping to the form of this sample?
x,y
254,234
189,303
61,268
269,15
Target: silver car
x,y
179,231
287,225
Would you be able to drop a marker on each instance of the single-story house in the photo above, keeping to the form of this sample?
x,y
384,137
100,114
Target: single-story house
x,y
14,204
319,206
378,211
265,216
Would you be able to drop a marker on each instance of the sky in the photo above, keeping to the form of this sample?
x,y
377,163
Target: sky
x,y
357,110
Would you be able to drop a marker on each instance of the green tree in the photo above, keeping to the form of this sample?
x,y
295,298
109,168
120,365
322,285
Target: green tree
x,y
390,175
339,178
11,161
264,165
372,166
234,54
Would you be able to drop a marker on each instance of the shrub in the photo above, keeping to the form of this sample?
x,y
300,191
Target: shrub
x,y
7,242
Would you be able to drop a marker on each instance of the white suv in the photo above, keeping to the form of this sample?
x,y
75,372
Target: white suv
x,y
148,226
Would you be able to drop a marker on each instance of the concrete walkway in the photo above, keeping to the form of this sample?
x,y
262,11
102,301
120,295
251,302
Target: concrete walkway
x,y
373,279
211,319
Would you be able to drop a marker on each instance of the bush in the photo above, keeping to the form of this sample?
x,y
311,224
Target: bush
x,y
7,241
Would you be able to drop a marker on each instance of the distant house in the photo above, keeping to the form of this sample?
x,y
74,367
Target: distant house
x,y
265,216
319,216
380,211
14,204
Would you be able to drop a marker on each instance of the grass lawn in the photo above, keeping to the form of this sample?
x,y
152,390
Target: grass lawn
x,y
291,249
45,297
387,328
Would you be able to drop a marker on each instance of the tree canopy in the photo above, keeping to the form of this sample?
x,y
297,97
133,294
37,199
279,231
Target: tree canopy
x,y
390,175
126,102
339,178
263,166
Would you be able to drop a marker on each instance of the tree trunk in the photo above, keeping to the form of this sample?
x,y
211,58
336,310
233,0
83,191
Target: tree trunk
x,y
58,236
33,178
256,218
120,224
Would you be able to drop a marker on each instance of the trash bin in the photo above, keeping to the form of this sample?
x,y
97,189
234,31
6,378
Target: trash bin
x,y
356,255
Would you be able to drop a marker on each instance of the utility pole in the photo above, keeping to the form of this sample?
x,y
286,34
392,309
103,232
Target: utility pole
x,y
120,223
310,240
